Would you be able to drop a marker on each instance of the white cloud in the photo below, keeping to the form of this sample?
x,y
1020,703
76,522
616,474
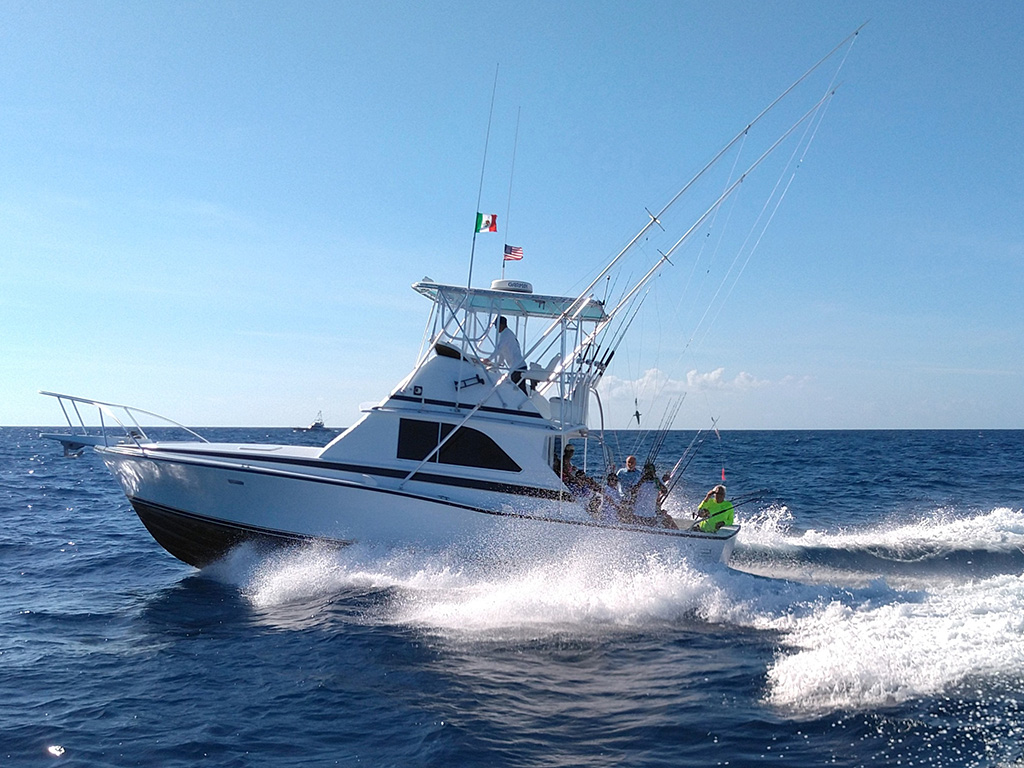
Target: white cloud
x,y
716,381
652,382
655,382
795,382
654,390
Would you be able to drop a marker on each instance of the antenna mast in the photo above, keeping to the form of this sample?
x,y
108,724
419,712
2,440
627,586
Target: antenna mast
x,y
511,175
483,165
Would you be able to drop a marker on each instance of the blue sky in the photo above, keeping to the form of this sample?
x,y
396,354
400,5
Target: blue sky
x,y
215,210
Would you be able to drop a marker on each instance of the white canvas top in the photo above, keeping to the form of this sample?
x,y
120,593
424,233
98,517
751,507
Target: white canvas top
x,y
508,302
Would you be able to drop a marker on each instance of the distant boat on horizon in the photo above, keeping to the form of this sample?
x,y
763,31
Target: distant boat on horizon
x,y
316,426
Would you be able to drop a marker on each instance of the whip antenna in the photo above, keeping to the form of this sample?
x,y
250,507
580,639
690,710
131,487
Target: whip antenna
x,y
511,174
483,165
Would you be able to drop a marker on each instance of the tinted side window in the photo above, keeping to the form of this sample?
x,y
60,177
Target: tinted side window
x,y
417,438
467,448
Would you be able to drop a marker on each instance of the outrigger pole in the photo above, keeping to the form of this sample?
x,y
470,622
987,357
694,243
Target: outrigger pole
x,y
483,165
665,256
581,300
655,218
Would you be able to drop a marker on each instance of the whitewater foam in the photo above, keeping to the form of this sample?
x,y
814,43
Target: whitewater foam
x,y
444,592
941,530
844,657
842,648
943,545
575,590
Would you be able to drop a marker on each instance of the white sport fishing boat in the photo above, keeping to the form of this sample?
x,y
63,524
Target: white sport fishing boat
x,y
456,454
460,451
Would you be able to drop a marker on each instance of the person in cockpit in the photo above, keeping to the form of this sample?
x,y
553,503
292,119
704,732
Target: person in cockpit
x,y
714,511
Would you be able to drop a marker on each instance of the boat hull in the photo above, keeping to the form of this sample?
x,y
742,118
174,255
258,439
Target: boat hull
x,y
199,509
199,540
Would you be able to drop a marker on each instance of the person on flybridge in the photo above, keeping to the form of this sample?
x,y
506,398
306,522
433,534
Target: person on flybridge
x,y
508,354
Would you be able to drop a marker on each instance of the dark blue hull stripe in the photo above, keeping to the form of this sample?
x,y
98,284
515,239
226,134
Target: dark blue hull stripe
x,y
465,406
422,477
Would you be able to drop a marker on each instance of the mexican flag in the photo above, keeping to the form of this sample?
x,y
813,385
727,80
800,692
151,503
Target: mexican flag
x,y
487,222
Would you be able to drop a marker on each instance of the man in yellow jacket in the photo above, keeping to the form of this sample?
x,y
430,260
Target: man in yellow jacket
x,y
714,511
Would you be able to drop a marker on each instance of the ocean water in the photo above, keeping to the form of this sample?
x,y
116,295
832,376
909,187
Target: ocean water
x,y
873,614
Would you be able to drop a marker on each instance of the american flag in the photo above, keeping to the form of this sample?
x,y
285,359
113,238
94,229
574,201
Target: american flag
x,y
513,253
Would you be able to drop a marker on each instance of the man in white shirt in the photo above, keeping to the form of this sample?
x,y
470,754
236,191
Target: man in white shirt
x,y
628,476
646,495
508,353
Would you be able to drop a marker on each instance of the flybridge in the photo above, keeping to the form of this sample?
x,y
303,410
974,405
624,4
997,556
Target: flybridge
x,y
561,361
521,303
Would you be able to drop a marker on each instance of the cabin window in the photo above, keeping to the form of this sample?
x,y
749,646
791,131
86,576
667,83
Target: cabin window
x,y
467,448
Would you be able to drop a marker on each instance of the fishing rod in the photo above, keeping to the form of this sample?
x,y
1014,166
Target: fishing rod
x,y
654,447
744,501
696,519
671,411
702,435
756,495
641,434
672,474
670,420
621,332
674,478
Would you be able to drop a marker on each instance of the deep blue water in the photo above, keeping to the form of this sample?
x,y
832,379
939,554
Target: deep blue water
x,y
873,615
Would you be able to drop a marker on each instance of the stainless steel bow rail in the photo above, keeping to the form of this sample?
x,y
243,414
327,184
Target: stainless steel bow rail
x,y
116,424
